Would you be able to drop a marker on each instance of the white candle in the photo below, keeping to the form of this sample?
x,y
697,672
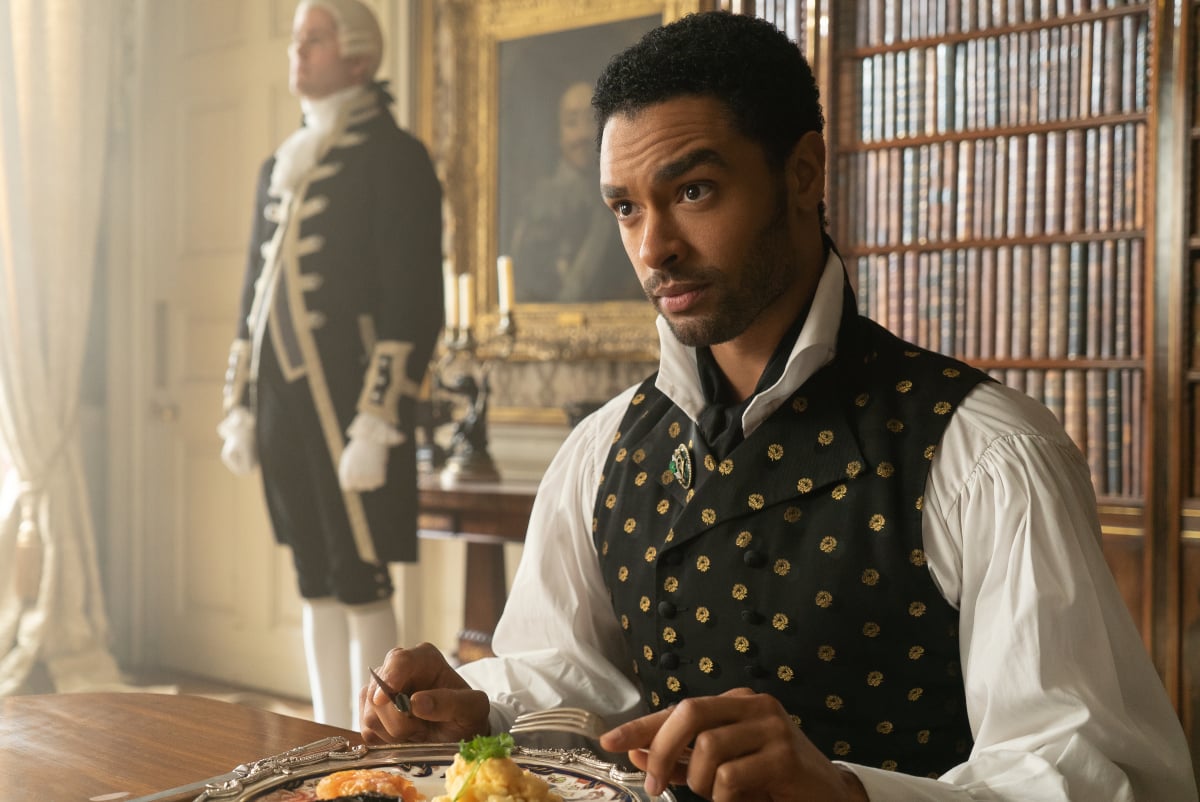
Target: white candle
x,y
465,291
450,294
504,275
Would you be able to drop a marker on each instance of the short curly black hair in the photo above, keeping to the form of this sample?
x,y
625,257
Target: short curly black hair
x,y
744,62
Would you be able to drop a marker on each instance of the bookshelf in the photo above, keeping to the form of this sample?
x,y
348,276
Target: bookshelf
x,y
1005,186
1189,279
989,161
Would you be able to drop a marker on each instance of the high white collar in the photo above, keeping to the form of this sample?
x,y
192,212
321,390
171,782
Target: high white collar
x,y
322,113
301,151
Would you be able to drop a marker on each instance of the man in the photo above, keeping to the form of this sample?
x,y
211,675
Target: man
x,y
564,247
832,564
340,310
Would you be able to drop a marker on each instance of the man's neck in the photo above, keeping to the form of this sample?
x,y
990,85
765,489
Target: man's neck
x,y
741,366
743,359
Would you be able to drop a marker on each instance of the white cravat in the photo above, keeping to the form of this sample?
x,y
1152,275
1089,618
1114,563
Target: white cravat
x,y
301,150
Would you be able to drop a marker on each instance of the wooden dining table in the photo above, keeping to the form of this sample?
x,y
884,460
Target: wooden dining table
x,y
107,747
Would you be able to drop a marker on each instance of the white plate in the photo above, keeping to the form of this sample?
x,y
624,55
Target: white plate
x,y
572,774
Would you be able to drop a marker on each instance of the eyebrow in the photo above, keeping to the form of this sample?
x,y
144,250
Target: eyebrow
x,y
672,170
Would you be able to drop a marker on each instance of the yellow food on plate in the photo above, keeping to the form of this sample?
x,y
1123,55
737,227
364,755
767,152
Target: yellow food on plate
x,y
364,781
498,779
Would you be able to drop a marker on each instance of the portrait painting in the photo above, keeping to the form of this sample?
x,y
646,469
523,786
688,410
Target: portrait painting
x,y
564,241
520,167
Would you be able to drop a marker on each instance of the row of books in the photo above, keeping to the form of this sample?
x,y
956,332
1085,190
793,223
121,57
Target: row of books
x,y
1078,300
1068,72
1195,424
786,15
1195,50
990,184
1081,180
1102,411
1195,224
1194,287
1194,195
889,21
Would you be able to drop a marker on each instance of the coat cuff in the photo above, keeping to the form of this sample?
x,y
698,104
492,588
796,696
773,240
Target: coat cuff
x,y
387,380
237,376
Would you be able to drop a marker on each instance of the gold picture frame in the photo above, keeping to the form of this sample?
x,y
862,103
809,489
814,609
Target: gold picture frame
x,y
501,69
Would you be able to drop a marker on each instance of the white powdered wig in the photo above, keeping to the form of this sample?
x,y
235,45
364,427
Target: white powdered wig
x,y
358,29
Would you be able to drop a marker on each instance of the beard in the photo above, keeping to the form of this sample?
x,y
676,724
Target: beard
x,y
742,293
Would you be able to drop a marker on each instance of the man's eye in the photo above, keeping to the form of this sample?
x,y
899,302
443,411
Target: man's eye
x,y
622,208
695,192
311,40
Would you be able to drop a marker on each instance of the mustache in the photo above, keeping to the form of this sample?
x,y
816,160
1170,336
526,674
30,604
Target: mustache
x,y
697,275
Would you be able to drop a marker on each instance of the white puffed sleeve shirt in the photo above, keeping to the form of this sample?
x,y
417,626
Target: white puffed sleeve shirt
x,y
1064,703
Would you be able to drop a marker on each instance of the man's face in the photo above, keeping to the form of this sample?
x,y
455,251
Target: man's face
x,y
709,225
576,127
316,68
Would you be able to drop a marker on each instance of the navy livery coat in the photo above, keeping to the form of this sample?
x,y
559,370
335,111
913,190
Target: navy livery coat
x,y
340,310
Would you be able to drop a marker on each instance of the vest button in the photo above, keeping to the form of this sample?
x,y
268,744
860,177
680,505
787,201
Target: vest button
x,y
666,609
754,559
668,661
755,672
751,617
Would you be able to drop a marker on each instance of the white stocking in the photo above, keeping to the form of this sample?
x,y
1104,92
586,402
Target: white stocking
x,y
372,634
326,645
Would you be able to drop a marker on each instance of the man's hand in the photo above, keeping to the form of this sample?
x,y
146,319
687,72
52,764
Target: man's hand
x,y
444,708
239,452
744,747
363,465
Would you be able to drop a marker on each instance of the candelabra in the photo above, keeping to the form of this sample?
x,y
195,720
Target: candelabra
x,y
464,370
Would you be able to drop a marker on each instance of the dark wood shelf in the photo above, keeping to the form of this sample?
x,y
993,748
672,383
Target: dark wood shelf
x,y
1191,520
994,242
1075,363
971,134
1116,508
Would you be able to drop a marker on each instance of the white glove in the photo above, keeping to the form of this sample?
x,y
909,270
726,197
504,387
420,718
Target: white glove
x,y
363,465
239,453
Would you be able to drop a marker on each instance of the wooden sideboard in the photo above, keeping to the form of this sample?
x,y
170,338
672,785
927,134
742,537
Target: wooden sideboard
x,y
485,515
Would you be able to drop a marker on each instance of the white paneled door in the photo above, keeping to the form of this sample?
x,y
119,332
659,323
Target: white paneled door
x,y
220,598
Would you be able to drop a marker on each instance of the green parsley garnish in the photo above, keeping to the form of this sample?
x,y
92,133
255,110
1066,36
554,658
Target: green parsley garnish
x,y
482,747
479,749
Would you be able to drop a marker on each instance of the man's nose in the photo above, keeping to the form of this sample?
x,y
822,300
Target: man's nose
x,y
661,245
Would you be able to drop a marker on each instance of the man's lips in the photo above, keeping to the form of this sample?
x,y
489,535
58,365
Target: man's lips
x,y
678,298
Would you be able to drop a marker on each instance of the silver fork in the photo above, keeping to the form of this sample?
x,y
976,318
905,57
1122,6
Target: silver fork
x,y
577,721
572,720
561,719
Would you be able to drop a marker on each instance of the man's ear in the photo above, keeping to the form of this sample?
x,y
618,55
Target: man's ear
x,y
806,171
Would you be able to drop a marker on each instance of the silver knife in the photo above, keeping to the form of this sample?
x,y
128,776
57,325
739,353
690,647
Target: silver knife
x,y
233,782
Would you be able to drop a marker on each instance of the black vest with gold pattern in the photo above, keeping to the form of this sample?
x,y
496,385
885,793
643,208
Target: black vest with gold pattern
x,y
795,565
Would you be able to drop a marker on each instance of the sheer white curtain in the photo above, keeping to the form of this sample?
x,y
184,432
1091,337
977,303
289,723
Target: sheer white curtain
x,y
57,63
